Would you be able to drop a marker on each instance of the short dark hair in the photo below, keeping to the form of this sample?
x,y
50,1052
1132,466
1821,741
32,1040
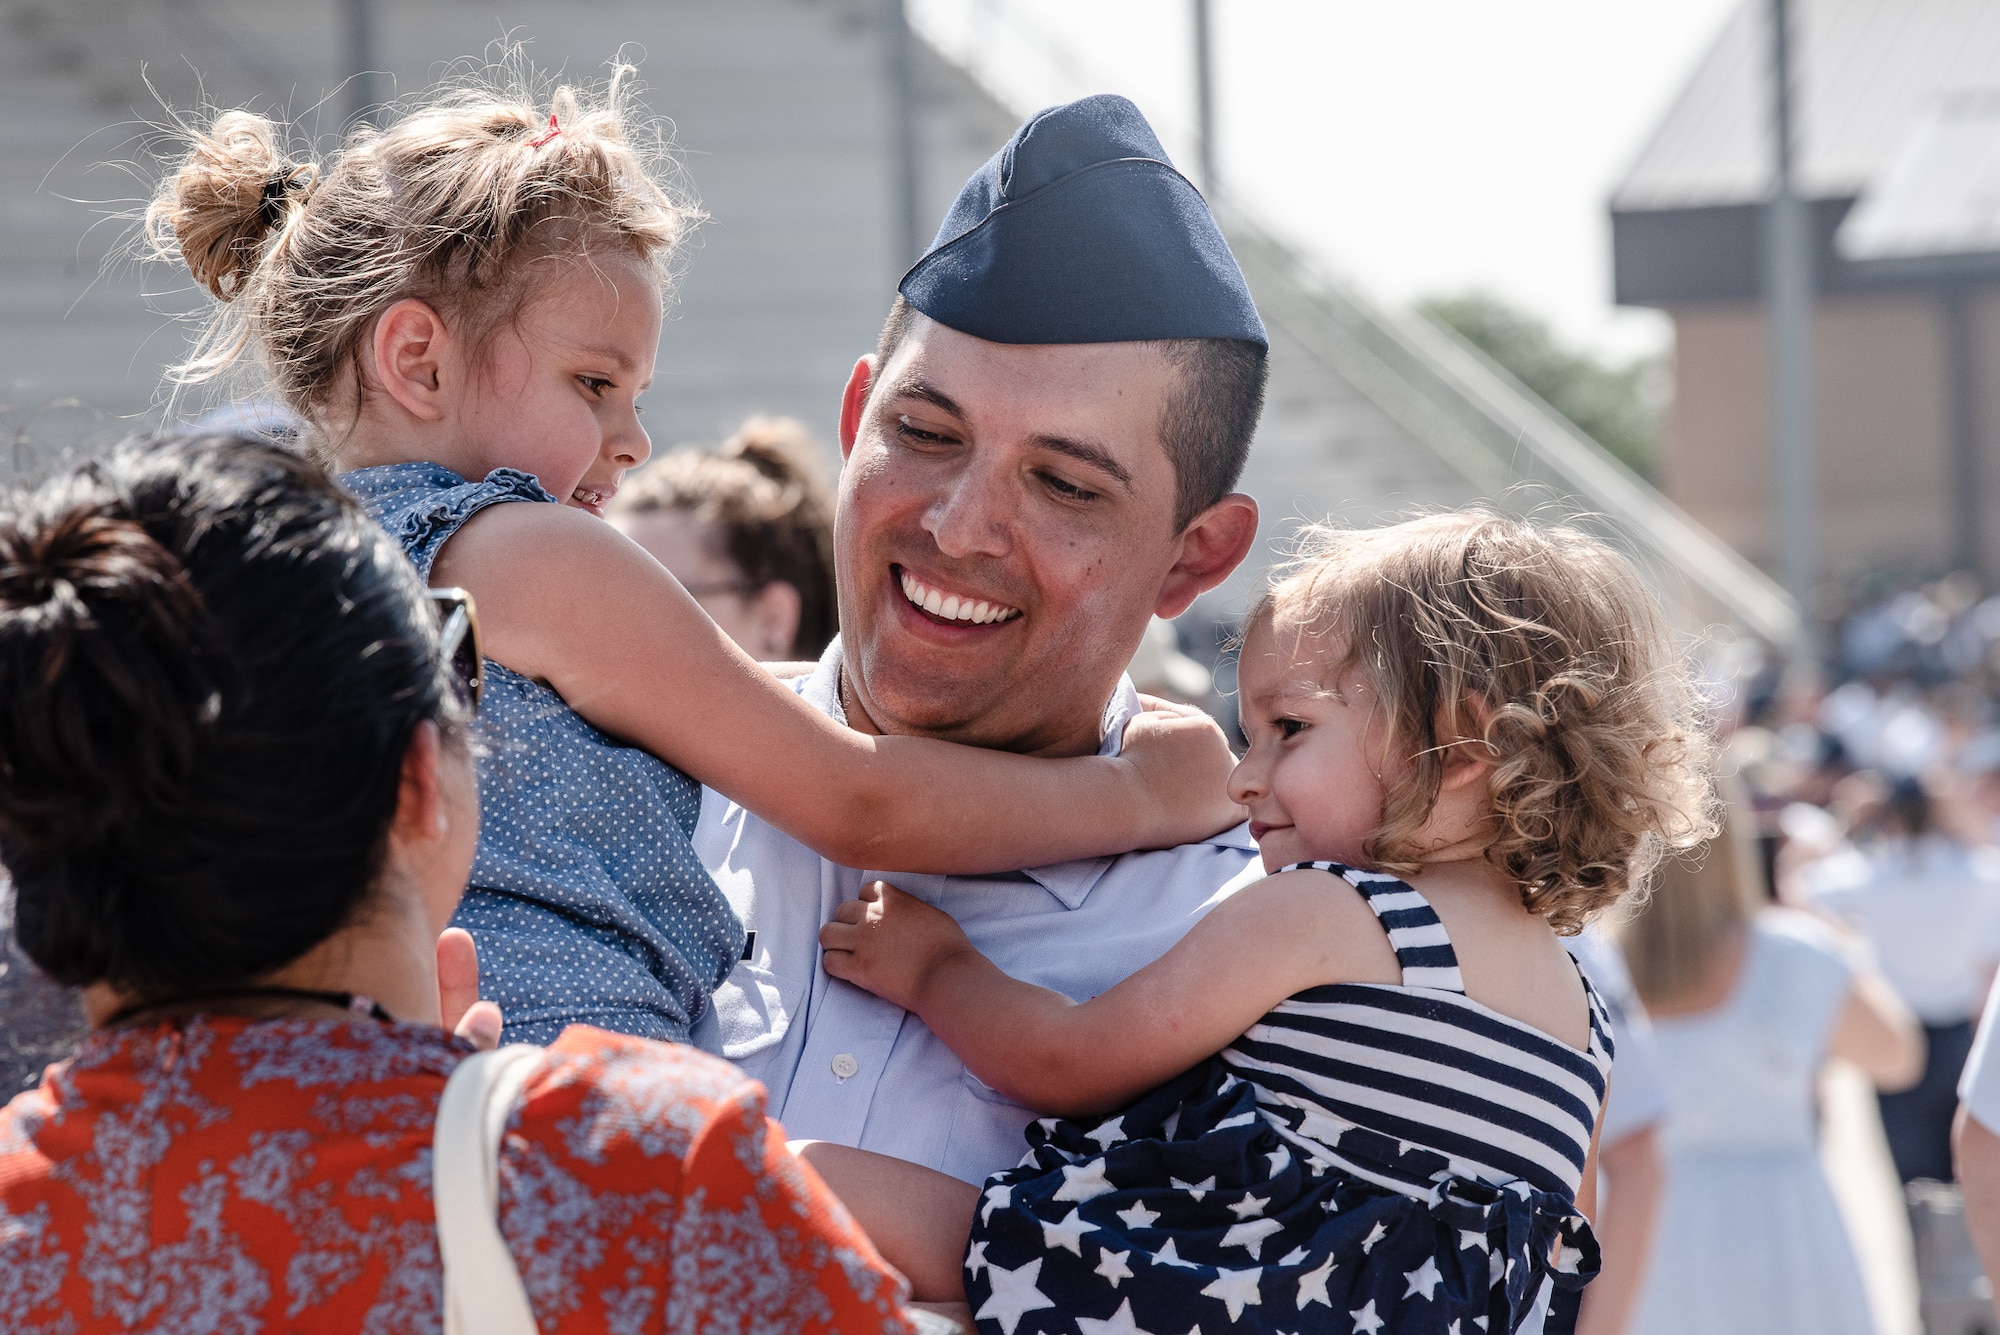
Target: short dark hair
x,y
1208,422
211,661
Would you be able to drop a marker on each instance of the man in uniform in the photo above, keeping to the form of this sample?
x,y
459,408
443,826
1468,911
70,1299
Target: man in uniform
x,y
1039,458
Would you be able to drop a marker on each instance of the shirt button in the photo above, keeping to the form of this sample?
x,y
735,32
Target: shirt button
x,y
844,1065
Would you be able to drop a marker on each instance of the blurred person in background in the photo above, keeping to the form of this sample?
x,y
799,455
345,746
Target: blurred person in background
x,y
1630,1163
1928,905
748,530
1976,1140
1748,1005
238,804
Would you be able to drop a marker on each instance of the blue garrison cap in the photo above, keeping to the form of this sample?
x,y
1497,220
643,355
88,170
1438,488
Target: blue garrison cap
x,y
1080,230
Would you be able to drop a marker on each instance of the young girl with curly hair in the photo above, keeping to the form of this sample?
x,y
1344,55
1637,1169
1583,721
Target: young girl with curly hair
x,y
1361,1095
464,308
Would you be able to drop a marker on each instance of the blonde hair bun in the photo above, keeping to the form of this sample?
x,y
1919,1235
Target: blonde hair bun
x,y
458,203
233,191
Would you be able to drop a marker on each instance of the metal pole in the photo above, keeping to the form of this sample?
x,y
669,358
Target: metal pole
x,y
362,100
1204,95
903,133
1962,389
1788,273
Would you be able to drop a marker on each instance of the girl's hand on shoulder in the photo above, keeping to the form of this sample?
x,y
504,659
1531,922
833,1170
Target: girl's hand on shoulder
x,y
1183,760
890,943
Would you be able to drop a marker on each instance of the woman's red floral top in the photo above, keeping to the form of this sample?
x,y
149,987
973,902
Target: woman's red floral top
x,y
234,1176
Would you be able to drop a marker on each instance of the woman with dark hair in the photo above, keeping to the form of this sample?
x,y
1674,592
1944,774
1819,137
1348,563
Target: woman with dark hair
x,y
238,806
748,529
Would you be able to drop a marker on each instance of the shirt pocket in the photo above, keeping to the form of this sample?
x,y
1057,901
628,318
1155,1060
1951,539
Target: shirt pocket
x,y
753,1009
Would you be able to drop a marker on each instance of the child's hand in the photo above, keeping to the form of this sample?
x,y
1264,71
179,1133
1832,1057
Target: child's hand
x,y
890,943
1184,760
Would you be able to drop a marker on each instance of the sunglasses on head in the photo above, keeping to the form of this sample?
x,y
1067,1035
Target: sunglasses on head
x,y
458,640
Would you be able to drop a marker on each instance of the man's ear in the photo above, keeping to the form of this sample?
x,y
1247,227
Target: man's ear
x,y
854,402
1210,548
408,351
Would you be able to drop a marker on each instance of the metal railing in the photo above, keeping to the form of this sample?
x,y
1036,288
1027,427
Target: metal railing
x,y
1483,423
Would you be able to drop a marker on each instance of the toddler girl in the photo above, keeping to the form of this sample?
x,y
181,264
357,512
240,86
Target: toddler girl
x,y
1467,736
464,308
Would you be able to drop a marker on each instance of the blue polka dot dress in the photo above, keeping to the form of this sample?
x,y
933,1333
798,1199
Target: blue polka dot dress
x,y
586,898
1369,1158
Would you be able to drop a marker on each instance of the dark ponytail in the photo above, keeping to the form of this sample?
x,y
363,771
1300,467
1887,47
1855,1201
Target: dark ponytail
x,y
210,665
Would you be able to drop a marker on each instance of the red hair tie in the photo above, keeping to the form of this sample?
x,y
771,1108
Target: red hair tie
x,y
548,134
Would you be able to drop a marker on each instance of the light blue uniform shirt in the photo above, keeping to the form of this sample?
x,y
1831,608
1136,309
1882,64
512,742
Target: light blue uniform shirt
x,y
845,1066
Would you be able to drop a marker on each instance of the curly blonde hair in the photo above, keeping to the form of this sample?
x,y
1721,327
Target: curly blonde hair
x,y
1541,645
454,204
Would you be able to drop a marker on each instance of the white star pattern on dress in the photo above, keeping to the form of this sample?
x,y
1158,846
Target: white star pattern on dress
x,y
1281,1159
1468,1238
1194,1189
997,1198
1111,1265
1068,1234
1248,1206
1312,1286
1108,1133
1241,1119
1236,1290
1083,1183
1250,1235
1424,1279
1365,1320
1138,1216
1121,1323
1014,1295
975,1258
1375,1235
1293,1257
1167,1255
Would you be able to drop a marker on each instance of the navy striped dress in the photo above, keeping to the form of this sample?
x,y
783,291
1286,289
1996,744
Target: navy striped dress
x,y
1367,1158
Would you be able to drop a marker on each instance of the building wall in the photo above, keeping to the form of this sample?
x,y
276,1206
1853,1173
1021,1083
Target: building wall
x,y
1883,420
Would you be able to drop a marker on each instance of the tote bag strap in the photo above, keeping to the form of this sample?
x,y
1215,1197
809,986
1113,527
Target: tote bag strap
x,y
483,1294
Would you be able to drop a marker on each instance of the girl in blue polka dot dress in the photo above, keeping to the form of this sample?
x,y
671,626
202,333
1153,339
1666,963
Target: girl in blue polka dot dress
x,y
464,308
1362,1094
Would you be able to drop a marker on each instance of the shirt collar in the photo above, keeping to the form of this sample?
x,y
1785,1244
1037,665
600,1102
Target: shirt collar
x,y
1069,882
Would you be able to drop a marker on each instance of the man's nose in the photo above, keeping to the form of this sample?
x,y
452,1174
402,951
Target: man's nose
x,y
972,517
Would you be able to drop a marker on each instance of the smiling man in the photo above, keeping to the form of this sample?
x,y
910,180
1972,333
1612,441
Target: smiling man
x,y
1039,459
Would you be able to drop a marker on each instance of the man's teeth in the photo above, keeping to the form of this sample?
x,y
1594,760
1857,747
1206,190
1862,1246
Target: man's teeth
x,y
953,608
587,496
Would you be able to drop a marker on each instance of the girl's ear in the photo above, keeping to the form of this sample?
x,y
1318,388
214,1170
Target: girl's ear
x,y
408,354
1467,759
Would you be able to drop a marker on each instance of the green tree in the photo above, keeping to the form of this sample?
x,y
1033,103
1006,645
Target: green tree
x,y
1618,406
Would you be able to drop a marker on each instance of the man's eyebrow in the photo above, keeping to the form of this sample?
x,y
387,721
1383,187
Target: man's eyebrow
x,y
910,387
1096,456
1082,451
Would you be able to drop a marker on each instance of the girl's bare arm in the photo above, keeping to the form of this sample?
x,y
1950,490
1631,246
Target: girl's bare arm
x,y
567,599
1278,937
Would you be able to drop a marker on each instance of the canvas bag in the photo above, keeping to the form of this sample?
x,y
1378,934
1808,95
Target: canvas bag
x,y
483,1294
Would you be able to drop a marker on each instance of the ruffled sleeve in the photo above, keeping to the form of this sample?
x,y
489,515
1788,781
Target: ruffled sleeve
x,y
422,505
